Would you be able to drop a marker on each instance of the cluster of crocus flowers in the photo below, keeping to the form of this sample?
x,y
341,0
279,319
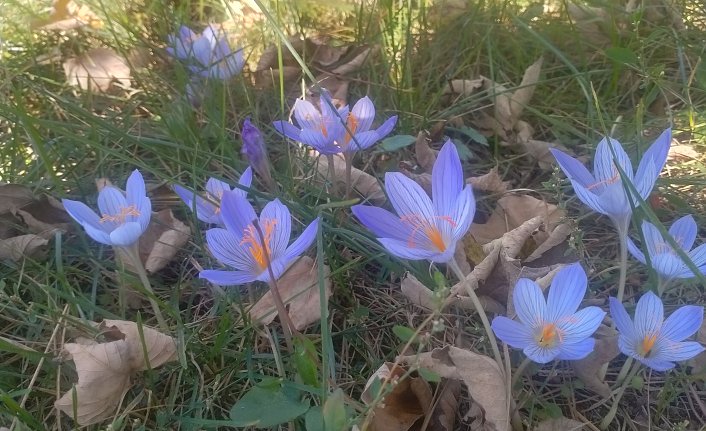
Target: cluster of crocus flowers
x,y
208,55
123,217
552,328
332,131
424,228
254,250
208,209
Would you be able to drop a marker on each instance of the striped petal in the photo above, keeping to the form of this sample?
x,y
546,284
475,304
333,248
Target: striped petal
x,y
573,169
364,113
227,249
649,315
382,223
227,278
577,350
683,323
237,213
604,168
126,235
566,292
512,333
683,230
581,324
529,302
301,244
541,355
622,319
276,216
446,180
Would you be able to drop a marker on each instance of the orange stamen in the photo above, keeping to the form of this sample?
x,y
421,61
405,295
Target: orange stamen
x,y
430,229
256,249
611,180
352,124
647,344
121,216
549,336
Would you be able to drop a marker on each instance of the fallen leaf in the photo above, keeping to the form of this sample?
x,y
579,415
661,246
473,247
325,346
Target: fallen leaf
x,y
408,402
490,182
559,424
589,368
425,155
17,247
365,184
521,97
443,418
14,196
67,15
299,289
483,379
104,369
698,363
593,23
96,69
422,296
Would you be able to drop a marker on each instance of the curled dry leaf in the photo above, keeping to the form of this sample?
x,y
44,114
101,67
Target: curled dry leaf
x,y
104,369
299,288
365,184
96,69
420,295
698,363
407,404
560,424
490,182
425,155
17,247
483,379
589,368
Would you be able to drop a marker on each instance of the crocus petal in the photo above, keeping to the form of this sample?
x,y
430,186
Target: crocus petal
x,y
245,180
98,234
386,127
126,234
111,201
668,265
589,198
529,303
186,195
381,222
683,230
446,180
577,350
677,352
656,364
604,169
464,212
144,213
636,252
202,53
573,169
581,324
237,213
302,243
614,203
698,255
363,141
407,197
287,129
566,292
654,243
652,163
682,323
626,345
364,113
278,215
622,319
541,355
82,213
278,265
402,250
216,188
135,188
227,278
207,212
308,117
317,140
226,248
512,333
649,315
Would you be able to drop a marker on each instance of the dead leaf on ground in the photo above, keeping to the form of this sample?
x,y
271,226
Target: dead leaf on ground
x,y
560,424
67,15
593,23
589,368
104,369
366,185
17,247
96,69
422,296
490,182
698,363
409,402
426,156
483,379
299,288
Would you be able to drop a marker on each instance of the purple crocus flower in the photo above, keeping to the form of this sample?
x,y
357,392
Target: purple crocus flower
x,y
603,191
551,329
124,217
650,339
239,245
208,209
255,152
324,131
209,54
663,257
424,228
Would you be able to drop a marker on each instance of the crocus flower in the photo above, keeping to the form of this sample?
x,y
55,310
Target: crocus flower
x,y
650,339
551,329
424,228
603,191
208,209
124,217
663,257
255,152
209,53
239,245
324,131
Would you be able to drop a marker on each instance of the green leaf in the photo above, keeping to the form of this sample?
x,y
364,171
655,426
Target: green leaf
x,y
464,153
397,142
314,419
429,375
266,407
471,133
621,55
637,383
404,333
305,359
335,417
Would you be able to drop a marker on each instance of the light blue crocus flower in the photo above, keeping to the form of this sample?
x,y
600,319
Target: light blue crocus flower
x,y
650,339
123,218
551,329
208,209
663,258
603,191
424,228
324,130
209,54
239,245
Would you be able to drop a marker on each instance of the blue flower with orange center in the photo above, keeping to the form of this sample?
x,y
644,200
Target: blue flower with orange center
x,y
123,218
208,208
650,339
240,246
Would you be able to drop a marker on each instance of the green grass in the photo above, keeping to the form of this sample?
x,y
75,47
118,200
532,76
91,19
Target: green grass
x,y
58,140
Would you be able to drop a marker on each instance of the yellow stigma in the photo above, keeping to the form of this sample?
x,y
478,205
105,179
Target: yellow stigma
x,y
352,124
252,241
608,181
647,344
548,336
429,228
121,216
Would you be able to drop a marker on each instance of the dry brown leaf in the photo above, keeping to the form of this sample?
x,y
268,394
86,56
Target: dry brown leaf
x,y
698,363
299,288
593,23
490,182
521,97
96,69
420,295
17,247
14,196
409,401
365,184
483,379
67,15
44,216
443,418
425,155
589,368
104,369
559,424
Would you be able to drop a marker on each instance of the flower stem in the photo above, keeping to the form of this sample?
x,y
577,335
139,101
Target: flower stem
x,y
331,171
349,167
481,312
623,262
616,398
520,371
133,254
